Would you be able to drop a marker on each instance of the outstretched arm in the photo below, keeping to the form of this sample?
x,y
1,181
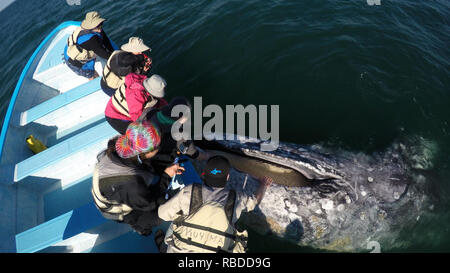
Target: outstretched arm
x,y
264,183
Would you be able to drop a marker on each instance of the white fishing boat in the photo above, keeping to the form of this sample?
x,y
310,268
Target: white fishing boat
x,y
46,201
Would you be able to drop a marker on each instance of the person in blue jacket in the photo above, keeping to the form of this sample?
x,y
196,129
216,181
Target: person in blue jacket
x,y
86,43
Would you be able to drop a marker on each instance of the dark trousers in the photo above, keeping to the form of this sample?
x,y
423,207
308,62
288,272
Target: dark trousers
x,y
118,124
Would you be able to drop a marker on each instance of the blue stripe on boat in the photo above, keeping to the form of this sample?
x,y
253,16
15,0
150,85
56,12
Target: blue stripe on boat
x,y
22,77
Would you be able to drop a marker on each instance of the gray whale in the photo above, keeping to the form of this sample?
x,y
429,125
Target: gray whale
x,y
332,199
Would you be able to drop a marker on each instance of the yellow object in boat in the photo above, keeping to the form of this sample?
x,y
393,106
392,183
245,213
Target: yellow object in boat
x,y
35,145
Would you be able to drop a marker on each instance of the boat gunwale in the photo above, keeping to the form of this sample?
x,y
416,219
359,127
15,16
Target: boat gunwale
x,y
24,73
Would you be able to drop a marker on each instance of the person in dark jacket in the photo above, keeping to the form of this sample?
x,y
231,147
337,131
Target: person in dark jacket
x,y
125,184
86,43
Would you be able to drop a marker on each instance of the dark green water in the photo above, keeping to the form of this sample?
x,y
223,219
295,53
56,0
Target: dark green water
x,y
344,73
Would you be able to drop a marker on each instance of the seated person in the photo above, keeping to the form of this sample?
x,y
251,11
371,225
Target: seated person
x,y
131,58
129,101
125,186
210,211
86,43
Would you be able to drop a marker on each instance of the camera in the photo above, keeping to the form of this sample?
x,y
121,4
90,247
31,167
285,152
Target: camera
x,y
183,146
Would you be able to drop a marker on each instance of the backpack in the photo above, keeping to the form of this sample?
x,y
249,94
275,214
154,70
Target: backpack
x,y
208,227
110,209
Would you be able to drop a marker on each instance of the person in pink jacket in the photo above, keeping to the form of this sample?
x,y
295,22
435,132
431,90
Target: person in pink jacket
x,y
132,97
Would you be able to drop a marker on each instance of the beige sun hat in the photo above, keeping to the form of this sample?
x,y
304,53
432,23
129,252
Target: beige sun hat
x,y
92,20
155,85
135,44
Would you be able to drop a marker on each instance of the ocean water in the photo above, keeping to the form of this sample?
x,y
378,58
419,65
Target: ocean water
x,y
345,74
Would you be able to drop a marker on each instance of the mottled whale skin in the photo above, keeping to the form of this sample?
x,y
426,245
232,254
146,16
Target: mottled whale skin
x,y
347,201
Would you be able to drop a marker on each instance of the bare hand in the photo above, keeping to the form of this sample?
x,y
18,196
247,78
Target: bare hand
x,y
266,181
174,170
